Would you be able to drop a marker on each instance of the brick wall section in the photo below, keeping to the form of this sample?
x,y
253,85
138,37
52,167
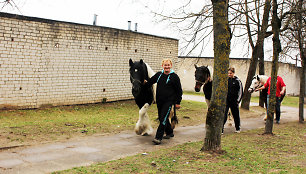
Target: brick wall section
x,y
46,62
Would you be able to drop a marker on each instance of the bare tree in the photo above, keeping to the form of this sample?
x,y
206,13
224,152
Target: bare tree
x,y
295,44
276,50
10,3
293,40
196,27
199,29
287,10
215,115
258,48
301,42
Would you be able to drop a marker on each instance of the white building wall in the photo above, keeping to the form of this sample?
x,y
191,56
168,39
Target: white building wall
x,y
186,69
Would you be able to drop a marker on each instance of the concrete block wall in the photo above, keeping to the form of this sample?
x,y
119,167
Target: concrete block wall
x,y
47,62
290,73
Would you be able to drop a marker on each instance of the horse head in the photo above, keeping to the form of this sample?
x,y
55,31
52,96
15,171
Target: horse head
x,y
138,73
201,75
256,83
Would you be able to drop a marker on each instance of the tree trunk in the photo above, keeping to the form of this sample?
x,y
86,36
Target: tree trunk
x,y
256,53
276,51
252,69
303,61
302,88
215,115
262,97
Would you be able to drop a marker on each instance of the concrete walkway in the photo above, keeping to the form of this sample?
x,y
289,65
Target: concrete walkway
x,y
57,156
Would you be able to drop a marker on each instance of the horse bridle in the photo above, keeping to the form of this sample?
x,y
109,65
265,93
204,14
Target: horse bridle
x,y
259,86
135,80
197,81
202,83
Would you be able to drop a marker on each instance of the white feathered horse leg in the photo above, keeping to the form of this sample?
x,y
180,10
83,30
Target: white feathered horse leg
x,y
143,125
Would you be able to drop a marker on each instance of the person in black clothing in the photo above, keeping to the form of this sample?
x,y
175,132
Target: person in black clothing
x,y
234,97
168,94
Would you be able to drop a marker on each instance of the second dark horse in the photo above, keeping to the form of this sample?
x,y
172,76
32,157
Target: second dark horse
x,y
202,77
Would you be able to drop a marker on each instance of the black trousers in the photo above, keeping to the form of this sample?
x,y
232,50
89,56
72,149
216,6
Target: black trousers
x,y
235,111
164,109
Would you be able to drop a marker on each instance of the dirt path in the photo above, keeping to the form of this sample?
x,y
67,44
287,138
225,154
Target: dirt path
x,y
89,150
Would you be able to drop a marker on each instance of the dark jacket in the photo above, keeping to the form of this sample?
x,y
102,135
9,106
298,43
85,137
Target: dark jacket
x,y
168,87
235,90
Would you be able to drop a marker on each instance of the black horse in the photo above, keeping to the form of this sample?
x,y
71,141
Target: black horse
x,y
138,73
143,94
202,77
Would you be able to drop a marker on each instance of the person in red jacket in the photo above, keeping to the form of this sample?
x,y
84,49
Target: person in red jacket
x,y
168,94
280,91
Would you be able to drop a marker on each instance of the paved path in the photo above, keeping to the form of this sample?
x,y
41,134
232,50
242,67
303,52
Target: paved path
x,y
89,150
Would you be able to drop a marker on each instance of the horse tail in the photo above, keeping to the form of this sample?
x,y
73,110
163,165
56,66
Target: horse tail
x,y
173,118
174,121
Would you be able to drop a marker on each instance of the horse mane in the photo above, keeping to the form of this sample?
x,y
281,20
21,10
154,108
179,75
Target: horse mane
x,y
208,75
150,71
150,74
262,78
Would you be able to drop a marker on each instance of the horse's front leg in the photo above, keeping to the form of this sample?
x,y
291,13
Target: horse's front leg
x,y
143,126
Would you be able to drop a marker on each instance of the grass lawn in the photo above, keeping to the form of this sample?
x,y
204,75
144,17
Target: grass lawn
x,y
288,101
28,127
247,152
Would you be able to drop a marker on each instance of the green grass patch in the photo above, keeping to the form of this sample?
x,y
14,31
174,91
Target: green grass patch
x,y
36,126
291,101
247,152
56,123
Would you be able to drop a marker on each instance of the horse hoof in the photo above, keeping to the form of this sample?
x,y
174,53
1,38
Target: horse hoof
x,y
145,134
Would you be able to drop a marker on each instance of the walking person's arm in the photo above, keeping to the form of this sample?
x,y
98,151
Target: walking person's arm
x,y
240,92
179,91
283,90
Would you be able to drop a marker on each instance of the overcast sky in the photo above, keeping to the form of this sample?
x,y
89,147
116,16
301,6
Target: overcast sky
x,y
116,14
111,13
